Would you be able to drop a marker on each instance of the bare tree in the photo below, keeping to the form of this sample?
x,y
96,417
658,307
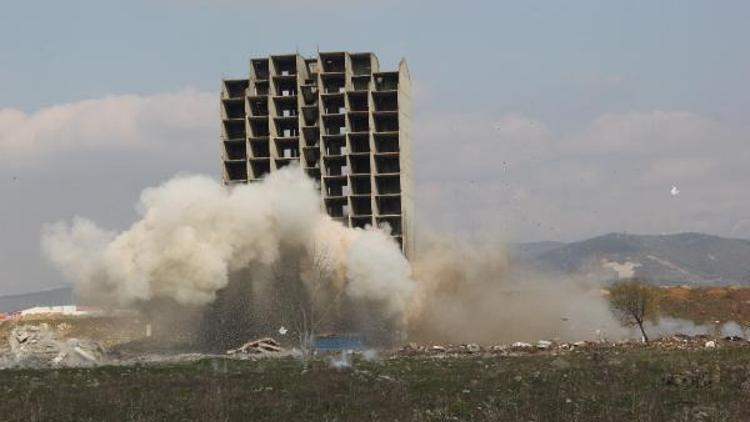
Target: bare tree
x,y
633,302
304,293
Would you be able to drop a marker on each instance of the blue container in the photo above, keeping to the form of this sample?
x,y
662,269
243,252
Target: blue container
x,y
336,343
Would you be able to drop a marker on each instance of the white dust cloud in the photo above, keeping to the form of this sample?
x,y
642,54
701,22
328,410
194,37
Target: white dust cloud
x,y
194,232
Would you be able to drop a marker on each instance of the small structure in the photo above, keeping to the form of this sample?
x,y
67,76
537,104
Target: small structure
x,y
66,310
337,343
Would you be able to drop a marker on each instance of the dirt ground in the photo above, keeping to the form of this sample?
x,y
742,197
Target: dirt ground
x,y
706,304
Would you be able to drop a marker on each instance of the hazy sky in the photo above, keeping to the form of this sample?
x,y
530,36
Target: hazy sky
x,y
553,120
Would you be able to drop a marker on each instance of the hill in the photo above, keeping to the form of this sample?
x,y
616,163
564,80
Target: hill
x,y
685,258
54,297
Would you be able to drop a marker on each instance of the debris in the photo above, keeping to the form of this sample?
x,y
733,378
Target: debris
x,y
264,347
674,191
283,331
40,346
710,344
520,345
543,344
472,348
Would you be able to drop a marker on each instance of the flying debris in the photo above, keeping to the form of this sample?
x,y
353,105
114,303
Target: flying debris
x,y
674,191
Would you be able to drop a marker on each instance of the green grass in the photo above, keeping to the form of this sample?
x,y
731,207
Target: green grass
x,y
610,385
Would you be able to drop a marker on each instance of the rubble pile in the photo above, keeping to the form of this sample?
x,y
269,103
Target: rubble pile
x,y
42,346
265,347
675,342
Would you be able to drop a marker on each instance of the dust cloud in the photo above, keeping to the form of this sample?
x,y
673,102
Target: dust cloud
x,y
259,256
194,235
470,292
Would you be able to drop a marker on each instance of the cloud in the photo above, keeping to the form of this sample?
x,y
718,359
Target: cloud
x,y
111,122
613,173
666,170
643,132
520,128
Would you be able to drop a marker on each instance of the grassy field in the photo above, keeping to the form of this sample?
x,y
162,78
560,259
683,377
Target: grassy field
x,y
610,385
607,384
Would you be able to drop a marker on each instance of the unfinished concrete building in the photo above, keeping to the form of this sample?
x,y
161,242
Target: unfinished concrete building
x,y
347,124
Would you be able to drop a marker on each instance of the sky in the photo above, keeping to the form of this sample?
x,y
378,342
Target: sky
x,y
555,120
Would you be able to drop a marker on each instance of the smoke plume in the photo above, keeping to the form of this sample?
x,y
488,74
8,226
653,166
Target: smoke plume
x,y
194,235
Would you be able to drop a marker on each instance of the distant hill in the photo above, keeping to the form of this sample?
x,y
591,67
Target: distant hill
x,y
533,250
686,258
55,297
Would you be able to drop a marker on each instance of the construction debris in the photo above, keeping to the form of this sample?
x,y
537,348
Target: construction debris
x,y
265,347
676,342
42,346
543,344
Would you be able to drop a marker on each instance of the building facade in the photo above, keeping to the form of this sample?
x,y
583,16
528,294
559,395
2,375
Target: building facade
x,y
347,124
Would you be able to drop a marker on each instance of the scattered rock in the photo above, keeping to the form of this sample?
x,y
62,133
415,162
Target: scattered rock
x,y
472,348
688,378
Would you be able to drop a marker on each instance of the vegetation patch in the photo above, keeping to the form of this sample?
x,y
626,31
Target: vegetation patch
x,y
613,384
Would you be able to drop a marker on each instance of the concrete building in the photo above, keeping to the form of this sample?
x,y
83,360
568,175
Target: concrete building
x,y
345,121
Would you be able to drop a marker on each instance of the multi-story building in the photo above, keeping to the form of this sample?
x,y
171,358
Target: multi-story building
x,y
345,121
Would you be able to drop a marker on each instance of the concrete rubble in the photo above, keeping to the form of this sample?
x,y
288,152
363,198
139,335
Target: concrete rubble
x,y
675,342
42,346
